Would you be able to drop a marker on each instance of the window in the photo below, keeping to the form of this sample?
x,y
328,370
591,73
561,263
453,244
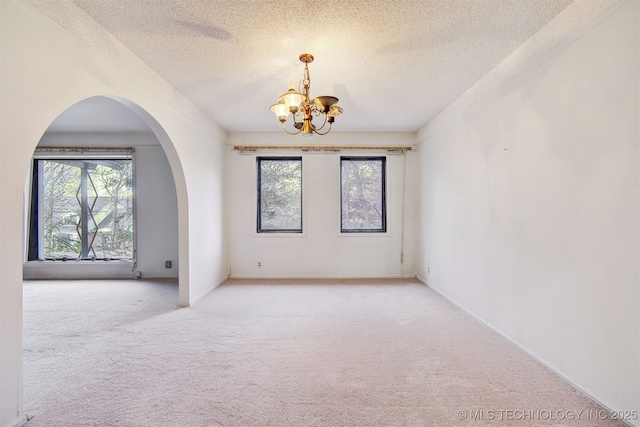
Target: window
x,y
362,195
280,194
81,208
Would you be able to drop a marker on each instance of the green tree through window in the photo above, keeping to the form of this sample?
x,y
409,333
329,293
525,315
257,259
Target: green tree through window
x,y
81,209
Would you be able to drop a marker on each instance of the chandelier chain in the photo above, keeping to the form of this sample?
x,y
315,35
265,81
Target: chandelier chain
x,y
306,81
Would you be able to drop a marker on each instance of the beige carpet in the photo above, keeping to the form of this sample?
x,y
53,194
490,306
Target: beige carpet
x,y
278,353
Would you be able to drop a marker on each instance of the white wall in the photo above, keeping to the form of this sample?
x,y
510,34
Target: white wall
x,y
156,214
156,211
529,211
44,71
321,250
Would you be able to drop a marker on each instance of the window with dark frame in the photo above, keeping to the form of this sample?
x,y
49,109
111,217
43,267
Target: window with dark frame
x,y
362,195
279,195
81,208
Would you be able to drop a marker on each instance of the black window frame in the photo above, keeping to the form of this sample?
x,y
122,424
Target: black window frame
x,y
383,228
259,228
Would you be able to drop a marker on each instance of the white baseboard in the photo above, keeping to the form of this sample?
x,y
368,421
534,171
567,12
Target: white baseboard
x,y
327,277
559,374
207,292
19,422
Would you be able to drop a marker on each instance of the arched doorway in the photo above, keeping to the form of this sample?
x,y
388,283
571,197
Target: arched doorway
x,y
95,133
102,189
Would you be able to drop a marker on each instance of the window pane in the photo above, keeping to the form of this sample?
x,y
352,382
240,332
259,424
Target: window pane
x,y
280,194
363,194
84,209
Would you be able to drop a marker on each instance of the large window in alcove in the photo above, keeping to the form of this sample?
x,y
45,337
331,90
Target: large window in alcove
x,y
82,207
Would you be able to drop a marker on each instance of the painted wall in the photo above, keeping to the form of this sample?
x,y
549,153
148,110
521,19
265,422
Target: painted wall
x,y
321,250
44,71
529,210
156,214
156,211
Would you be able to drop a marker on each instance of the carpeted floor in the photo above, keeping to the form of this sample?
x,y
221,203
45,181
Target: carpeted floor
x,y
278,353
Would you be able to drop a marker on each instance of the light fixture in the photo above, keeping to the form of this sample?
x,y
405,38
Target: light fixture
x,y
298,104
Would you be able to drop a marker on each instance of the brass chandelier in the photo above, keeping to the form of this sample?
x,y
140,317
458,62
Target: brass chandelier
x,y
302,110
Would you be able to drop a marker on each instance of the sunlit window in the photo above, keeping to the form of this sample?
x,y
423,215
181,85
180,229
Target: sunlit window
x,y
362,195
280,194
81,208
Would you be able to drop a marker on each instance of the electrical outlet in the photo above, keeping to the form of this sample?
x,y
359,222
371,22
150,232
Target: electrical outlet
x,y
428,270
259,264
167,264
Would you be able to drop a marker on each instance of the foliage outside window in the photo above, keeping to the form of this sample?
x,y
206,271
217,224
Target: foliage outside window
x,y
362,194
279,194
81,209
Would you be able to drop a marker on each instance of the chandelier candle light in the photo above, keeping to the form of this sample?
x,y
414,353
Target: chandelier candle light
x,y
298,105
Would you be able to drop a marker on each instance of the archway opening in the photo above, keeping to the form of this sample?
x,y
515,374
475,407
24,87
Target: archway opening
x,y
102,198
101,202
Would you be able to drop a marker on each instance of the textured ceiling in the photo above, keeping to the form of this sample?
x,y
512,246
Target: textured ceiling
x,y
394,64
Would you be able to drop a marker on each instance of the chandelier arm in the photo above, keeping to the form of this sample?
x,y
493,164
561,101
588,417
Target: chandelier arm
x,y
323,123
290,133
323,133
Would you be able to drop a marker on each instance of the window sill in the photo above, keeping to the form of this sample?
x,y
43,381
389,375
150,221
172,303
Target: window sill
x,y
280,234
364,234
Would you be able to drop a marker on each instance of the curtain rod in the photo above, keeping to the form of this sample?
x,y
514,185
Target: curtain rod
x,y
75,149
318,147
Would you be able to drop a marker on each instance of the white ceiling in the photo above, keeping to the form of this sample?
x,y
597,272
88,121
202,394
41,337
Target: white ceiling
x,y
394,64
